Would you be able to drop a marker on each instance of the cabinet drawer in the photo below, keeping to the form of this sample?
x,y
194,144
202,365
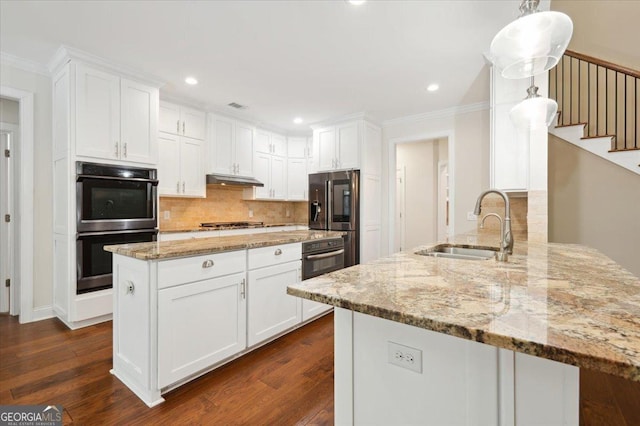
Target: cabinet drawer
x,y
189,269
273,255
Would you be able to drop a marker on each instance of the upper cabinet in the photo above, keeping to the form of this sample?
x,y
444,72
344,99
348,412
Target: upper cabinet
x,y
299,149
232,145
270,143
116,118
509,145
269,167
337,147
180,166
182,121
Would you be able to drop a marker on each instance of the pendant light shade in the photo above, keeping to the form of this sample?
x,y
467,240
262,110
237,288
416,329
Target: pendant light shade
x,y
535,112
532,44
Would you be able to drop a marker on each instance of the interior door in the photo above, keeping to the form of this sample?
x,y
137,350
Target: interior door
x,y
6,259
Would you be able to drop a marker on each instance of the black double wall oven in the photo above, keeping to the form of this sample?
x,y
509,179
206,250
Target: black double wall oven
x,y
114,205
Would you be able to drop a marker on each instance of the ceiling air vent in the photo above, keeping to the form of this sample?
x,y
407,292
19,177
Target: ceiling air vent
x,y
237,106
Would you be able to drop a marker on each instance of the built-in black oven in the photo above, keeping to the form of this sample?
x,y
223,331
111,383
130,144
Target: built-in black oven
x,y
94,265
322,256
115,198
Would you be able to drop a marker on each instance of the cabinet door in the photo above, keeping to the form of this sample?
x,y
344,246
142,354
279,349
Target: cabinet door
x,y
297,148
243,149
311,309
193,123
139,131
199,324
263,142
262,164
191,168
169,118
97,113
510,152
297,179
348,146
278,145
168,164
222,133
270,309
326,140
278,178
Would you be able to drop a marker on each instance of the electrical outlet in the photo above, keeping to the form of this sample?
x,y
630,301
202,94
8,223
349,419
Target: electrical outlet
x,y
471,217
405,357
250,213
167,214
288,213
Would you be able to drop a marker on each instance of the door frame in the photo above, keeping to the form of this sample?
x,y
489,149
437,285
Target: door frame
x,y
392,178
14,303
22,288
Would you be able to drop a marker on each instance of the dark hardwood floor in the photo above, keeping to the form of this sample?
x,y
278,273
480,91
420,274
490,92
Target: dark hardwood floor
x,y
287,382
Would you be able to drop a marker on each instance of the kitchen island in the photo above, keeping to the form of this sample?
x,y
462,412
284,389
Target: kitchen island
x,y
183,308
448,341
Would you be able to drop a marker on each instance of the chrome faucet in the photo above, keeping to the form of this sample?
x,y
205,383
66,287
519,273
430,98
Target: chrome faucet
x,y
506,237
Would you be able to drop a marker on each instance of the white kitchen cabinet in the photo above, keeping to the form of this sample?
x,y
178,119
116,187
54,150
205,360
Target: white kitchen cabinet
x,y
270,309
116,118
338,147
270,143
232,144
182,121
509,145
180,166
200,324
312,309
299,147
271,171
297,179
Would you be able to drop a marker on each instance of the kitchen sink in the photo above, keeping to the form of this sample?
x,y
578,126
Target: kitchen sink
x,y
452,251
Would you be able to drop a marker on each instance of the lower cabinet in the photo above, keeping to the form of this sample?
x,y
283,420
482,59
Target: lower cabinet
x,y
311,309
270,309
200,324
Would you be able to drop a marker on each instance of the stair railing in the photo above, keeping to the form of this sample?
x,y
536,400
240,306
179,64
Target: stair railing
x,y
599,94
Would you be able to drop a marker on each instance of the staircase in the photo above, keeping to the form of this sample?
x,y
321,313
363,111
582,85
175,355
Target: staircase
x,y
598,107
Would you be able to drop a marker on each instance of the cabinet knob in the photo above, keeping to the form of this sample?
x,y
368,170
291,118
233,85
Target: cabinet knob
x,y
207,263
129,288
278,252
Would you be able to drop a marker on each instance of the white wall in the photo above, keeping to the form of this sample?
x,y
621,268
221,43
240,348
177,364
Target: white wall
x,y
420,162
9,111
40,85
468,133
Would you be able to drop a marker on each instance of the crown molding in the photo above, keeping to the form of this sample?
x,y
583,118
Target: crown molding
x,y
443,113
337,120
24,64
65,54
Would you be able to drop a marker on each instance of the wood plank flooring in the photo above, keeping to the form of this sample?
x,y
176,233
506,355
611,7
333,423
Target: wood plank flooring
x,y
287,382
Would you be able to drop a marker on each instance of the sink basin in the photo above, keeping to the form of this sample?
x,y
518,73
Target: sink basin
x,y
452,251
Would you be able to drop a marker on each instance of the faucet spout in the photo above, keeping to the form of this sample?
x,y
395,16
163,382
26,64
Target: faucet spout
x,y
506,236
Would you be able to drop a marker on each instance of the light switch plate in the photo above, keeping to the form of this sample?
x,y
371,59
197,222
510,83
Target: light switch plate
x,y
167,214
250,213
405,356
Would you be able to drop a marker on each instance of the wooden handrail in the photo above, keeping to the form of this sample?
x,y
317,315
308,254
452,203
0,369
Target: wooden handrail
x,y
628,71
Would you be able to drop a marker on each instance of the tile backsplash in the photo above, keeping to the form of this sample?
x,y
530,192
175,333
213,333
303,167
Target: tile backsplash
x,y
225,204
493,204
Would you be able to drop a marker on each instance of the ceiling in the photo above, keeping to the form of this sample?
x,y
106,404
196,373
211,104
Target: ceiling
x,y
313,59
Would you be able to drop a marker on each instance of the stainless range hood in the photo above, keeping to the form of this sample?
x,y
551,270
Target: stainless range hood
x,y
232,180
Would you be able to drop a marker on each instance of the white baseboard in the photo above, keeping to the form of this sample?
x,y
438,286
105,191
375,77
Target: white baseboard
x,y
42,313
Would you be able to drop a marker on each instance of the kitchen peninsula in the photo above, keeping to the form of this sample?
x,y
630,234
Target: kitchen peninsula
x,y
448,341
182,308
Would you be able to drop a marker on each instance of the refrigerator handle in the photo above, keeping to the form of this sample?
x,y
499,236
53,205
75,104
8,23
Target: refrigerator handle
x,y
329,204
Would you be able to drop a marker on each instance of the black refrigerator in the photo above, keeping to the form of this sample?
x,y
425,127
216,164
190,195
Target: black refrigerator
x,y
334,205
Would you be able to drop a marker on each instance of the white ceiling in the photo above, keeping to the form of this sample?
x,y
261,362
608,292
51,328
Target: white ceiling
x,y
313,59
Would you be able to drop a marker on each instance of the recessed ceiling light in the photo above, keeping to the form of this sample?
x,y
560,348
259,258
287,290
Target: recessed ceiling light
x,y
356,2
432,87
297,120
191,81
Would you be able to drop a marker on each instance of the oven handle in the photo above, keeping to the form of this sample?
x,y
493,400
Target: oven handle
x,y
324,255
128,231
80,178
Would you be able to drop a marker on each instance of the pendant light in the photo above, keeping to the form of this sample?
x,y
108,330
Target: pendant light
x,y
534,112
533,43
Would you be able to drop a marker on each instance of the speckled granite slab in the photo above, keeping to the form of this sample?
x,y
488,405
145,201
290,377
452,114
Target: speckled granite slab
x,y
196,246
568,303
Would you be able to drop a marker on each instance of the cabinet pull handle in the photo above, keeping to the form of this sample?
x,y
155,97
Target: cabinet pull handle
x,y
207,263
124,150
178,127
129,288
178,187
183,187
183,131
243,289
117,149
278,252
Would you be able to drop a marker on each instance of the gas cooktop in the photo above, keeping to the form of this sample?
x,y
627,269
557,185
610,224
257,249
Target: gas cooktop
x,y
230,224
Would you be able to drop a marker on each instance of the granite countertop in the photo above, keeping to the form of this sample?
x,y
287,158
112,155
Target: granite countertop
x,y
224,228
195,246
564,302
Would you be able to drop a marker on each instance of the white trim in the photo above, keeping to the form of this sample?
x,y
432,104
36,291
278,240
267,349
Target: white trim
x,y
23,64
66,53
392,178
24,204
42,312
448,112
337,120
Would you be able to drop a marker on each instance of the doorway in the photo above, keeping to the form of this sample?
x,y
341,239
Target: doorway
x,y
421,193
9,133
